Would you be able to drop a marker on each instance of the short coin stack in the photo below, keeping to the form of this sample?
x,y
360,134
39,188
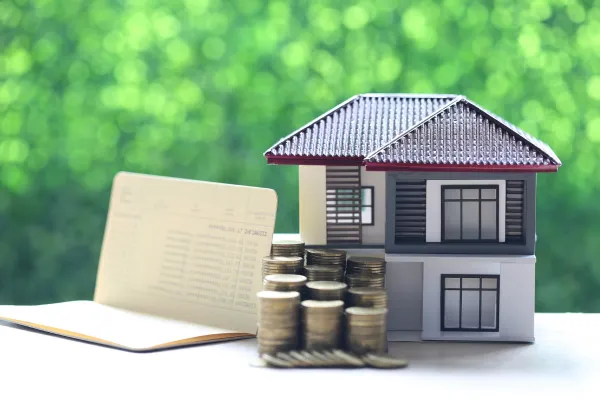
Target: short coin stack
x,y
366,297
272,265
326,257
287,248
278,321
366,330
322,324
284,283
324,273
326,290
365,272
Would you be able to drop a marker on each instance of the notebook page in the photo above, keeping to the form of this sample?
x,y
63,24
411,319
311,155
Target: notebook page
x,y
96,322
186,250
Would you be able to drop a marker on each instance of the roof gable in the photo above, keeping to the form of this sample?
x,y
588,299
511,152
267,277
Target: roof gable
x,y
463,134
356,127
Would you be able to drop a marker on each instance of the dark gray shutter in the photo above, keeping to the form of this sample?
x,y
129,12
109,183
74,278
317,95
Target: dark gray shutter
x,y
515,191
410,213
343,205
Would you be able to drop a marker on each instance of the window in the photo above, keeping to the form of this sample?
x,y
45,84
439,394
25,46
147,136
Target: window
x,y
367,206
343,206
470,213
470,303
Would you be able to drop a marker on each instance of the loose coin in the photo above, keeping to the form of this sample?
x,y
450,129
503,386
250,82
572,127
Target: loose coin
x,y
277,362
349,358
299,357
384,361
259,363
287,357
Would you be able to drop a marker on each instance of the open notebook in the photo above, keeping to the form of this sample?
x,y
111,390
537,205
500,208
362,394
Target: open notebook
x,y
180,264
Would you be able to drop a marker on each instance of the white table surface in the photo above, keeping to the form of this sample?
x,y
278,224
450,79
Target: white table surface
x,y
563,363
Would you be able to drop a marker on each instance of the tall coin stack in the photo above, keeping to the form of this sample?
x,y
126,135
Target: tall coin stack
x,y
366,330
365,272
324,273
287,248
326,290
321,324
278,321
285,283
326,257
272,265
366,297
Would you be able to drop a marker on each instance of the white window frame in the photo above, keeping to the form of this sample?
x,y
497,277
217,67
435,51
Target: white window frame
x,y
433,229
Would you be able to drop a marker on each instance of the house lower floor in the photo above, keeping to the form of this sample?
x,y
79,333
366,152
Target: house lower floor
x,y
462,298
458,297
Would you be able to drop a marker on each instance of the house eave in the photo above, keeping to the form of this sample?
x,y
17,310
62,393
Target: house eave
x,y
370,166
314,160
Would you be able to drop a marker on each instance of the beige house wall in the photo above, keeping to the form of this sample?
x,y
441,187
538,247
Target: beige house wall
x,y
312,206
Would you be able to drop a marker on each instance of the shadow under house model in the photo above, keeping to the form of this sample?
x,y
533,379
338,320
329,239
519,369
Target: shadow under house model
x,y
445,190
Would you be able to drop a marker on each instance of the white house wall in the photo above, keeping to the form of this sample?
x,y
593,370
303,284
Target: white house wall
x,y
312,206
404,285
433,227
517,295
375,234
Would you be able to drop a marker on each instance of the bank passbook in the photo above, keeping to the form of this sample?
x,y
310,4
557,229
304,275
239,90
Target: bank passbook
x,y
180,264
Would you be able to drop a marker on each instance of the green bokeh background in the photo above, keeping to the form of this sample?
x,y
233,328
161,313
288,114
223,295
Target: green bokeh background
x,y
201,88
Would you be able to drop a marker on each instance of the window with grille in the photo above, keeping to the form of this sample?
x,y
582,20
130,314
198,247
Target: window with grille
x,y
470,213
470,303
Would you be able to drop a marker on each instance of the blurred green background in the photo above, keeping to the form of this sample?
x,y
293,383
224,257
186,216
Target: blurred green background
x,y
201,88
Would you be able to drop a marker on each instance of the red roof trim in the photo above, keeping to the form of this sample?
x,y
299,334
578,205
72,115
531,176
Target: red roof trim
x,y
323,160
455,167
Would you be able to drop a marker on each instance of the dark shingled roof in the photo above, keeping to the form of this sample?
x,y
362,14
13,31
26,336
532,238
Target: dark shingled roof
x,y
359,125
414,132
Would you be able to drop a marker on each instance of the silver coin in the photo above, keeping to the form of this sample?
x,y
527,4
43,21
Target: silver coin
x,y
315,362
324,360
277,362
349,358
300,358
259,363
384,361
287,357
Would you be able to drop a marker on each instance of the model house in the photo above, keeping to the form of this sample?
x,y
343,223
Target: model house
x,y
445,190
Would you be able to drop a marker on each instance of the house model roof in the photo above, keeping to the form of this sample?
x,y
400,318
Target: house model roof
x,y
414,132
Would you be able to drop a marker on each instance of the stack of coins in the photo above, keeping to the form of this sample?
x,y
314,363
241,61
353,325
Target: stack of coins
x,y
278,321
322,324
366,297
285,283
326,290
324,273
365,272
326,257
366,330
272,265
287,248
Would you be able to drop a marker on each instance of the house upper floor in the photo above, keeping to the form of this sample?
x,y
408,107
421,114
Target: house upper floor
x,y
418,174
418,212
